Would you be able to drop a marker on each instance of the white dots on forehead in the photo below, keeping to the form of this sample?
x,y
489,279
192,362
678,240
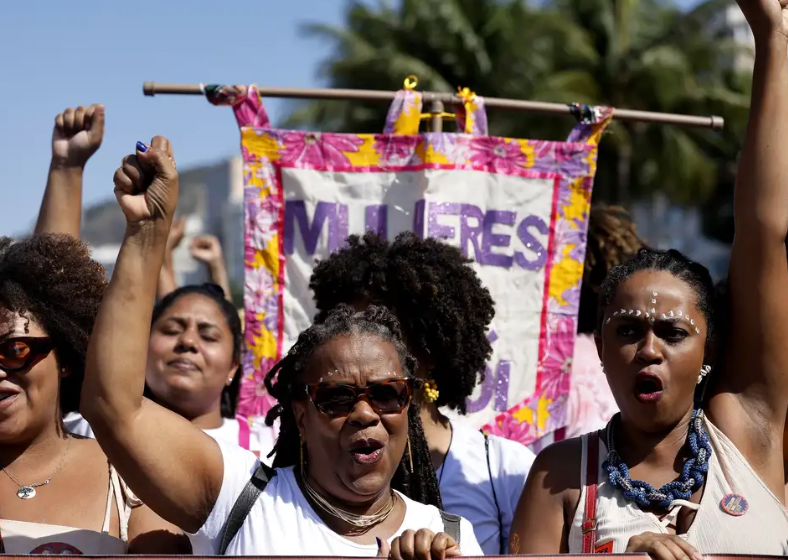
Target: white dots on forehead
x,y
652,314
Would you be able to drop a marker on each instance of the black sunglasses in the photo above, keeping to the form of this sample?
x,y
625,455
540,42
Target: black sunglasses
x,y
23,352
338,399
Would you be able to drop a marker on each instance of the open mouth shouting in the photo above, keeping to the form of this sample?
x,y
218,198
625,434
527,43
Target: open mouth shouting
x,y
366,451
648,387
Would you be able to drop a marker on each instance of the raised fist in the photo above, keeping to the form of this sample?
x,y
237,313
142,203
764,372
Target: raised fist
x,y
77,135
146,184
206,248
766,17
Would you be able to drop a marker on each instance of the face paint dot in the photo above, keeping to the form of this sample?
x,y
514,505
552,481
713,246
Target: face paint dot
x,y
692,321
679,313
608,321
670,314
653,301
637,313
654,294
653,310
697,330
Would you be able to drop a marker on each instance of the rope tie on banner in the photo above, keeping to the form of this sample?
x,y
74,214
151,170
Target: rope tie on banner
x,y
585,114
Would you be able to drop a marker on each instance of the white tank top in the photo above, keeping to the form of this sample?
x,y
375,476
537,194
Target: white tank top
x,y
763,529
23,537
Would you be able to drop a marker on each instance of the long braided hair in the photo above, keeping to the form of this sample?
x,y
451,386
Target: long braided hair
x,y
420,483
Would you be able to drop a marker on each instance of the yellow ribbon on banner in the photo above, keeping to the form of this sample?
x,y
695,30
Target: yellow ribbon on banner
x,y
469,103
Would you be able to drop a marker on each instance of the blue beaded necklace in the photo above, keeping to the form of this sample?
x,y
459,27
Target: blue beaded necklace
x,y
692,476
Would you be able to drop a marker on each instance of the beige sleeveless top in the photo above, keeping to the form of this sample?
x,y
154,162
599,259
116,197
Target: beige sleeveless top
x,y
22,537
762,529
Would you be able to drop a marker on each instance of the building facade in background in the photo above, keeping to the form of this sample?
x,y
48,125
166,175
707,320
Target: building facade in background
x,y
211,200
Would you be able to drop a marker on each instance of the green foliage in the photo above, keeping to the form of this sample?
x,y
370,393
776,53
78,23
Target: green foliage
x,y
635,54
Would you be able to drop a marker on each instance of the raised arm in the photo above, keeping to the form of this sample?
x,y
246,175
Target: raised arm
x,y
171,465
206,248
167,281
753,372
77,135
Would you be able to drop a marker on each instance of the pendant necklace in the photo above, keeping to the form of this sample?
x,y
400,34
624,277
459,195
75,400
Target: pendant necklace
x,y
28,491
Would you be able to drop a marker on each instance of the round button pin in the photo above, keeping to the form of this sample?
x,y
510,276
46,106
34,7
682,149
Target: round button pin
x,y
735,505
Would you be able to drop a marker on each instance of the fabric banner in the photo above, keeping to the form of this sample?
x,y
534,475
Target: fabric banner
x,y
518,208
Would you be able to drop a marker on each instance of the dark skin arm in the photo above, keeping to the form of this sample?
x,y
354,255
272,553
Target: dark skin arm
x,y
750,396
552,492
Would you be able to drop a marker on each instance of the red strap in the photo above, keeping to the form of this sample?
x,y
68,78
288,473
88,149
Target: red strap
x,y
592,476
243,432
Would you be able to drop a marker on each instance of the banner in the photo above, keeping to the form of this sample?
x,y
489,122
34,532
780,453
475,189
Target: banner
x,y
518,208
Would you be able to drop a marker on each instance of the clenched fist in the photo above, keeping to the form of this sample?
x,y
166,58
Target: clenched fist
x,y
77,135
146,184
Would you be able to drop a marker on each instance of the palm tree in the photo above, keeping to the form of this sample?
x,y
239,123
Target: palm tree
x,y
640,54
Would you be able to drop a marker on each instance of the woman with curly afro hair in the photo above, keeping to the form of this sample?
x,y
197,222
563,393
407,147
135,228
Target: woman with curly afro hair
x,y
58,493
445,314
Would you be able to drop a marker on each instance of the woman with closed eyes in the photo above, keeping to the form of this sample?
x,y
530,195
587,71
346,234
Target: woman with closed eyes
x,y
351,462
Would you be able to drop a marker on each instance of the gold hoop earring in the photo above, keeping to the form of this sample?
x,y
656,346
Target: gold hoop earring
x,y
410,456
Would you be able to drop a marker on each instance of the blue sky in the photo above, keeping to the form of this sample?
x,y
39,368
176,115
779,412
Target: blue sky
x,y
62,54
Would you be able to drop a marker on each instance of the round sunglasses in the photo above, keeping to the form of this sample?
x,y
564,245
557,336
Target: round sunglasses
x,y
23,352
338,399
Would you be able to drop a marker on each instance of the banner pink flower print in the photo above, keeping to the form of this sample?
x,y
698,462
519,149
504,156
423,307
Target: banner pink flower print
x,y
516,208
312,149
497,153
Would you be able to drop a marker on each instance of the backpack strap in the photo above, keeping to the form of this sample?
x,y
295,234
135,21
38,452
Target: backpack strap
x,y
590,482
501,547
451,525
243,505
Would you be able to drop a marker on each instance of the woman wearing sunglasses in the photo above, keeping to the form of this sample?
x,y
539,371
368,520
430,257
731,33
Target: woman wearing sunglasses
x,y
351,456
445,313
58,494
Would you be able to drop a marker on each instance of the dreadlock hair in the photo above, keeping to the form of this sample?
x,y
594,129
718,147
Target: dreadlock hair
x,y
52,279
215,293
283,382
612,238
443,307
694,274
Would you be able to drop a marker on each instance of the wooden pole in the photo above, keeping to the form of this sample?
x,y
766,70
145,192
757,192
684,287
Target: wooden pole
x,y
713,122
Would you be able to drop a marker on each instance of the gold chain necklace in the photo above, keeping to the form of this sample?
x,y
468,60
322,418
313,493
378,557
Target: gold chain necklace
x,y
360,522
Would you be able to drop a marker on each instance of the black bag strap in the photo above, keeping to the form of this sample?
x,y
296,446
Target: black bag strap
x,y
494,495
243,505
451,525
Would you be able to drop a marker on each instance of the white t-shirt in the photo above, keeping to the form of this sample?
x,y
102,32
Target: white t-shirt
x,y
283,523
466,488
255,436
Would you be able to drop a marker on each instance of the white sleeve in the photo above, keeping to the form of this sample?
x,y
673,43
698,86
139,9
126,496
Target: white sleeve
x,y
239,465
469,546
515,464
77,425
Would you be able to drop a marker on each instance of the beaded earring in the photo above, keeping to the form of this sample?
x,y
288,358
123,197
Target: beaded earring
x,y
431,392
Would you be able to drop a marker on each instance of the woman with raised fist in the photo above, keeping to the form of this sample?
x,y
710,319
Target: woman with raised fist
x,y
351,461
693,464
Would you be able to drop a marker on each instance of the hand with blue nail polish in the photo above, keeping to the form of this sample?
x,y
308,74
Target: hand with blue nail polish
x,y
146,184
